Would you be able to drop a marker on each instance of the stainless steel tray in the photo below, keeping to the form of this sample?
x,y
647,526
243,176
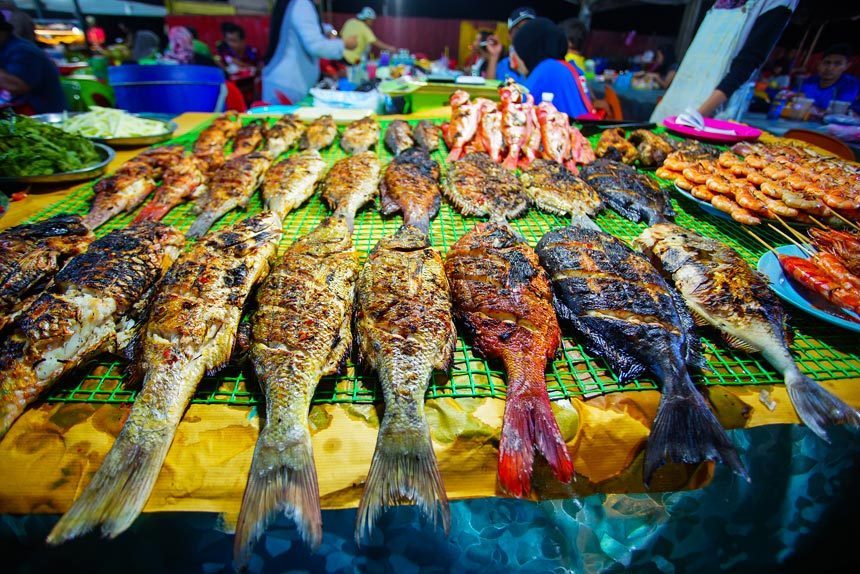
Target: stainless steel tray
x,y
91,171
169,127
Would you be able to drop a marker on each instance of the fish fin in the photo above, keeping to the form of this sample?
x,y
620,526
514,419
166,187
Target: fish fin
x,y
152,212
698,319
816,406
510,162
120,488
403,469
686,431
736,343
282,479
582,220
529,423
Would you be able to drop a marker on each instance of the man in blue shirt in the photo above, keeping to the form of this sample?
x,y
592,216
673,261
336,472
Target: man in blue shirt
x,y
831,82
501,69
540,49
27,74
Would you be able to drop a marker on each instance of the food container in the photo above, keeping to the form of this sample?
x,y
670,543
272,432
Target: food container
x,y
799,108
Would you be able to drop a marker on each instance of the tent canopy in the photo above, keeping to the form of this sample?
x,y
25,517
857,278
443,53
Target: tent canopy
x,y
97,7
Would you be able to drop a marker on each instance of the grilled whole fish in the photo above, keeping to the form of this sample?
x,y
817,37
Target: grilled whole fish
x,y
229,187
613,145
284,134
180,182
503,299
478,186
651,148
398,137
403,330
426,135
634,195
248,138
130,184
300,332
722,290
190,331
361,135
627,314
320,134
91,308
211,142
31,254
350,183
289,183
554,188
411,186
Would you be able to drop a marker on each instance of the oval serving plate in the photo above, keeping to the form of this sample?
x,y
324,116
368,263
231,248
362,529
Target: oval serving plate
x,y
708,208
800,297
169,128
91,171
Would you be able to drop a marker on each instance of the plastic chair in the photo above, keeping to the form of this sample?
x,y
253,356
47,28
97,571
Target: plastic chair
x,y
825,141
611,98
83,93
168,89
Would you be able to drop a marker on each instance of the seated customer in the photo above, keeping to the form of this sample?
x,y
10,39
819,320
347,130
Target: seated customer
x,y
181,49
27,75
499,67
831,82
539,50
233,49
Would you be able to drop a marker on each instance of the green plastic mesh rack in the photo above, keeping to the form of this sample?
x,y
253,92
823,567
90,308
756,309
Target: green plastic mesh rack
x,y
823,352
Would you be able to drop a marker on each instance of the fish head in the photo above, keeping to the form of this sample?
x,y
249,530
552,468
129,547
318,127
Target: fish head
x,y
458,98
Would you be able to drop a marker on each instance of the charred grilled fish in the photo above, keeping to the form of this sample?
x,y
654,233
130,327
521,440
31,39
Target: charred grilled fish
x,y
651,148
411,186
722,290
300,332
361,135
398,137
248,138
627,314
290,183
190,331
554,188
31,254
404,330
478,186
284,134
634,195
91,308
229,187
350,183
180,183
130,184
503,299
613,145
211,142
426,135
320,134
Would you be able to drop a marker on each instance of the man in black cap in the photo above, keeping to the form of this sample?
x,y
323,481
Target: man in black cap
x,y
500,69
539,50
27,74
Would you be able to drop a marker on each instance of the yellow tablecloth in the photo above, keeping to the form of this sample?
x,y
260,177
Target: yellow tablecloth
x,y
53,450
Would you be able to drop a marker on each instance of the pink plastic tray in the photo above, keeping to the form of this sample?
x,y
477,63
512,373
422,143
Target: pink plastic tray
x,y
742,132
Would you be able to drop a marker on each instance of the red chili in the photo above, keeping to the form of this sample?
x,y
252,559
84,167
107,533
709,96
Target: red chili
x,y
18,196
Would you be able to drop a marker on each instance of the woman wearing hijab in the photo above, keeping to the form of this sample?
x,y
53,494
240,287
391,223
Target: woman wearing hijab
x,y
539,51
181,49
296,45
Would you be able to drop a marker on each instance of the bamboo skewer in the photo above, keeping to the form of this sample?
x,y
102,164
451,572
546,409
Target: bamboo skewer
x,y
760,240
791,240
845,220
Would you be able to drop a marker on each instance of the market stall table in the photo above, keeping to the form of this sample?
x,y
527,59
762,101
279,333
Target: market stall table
x,y
780,126
637,105
52,450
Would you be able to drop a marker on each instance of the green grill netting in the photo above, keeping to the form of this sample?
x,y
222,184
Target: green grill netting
x,y
822,351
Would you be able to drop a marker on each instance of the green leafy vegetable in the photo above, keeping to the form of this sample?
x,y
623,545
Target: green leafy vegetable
x,y
28,147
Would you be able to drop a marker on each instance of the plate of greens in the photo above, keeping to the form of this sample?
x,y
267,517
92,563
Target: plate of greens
x,y
113,127
35,152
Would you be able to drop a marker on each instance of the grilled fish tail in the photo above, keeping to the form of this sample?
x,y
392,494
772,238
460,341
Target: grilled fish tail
x,y
98,217
403,469
815,406
685,430
582,220
528,424
119,490
283,479
202,224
